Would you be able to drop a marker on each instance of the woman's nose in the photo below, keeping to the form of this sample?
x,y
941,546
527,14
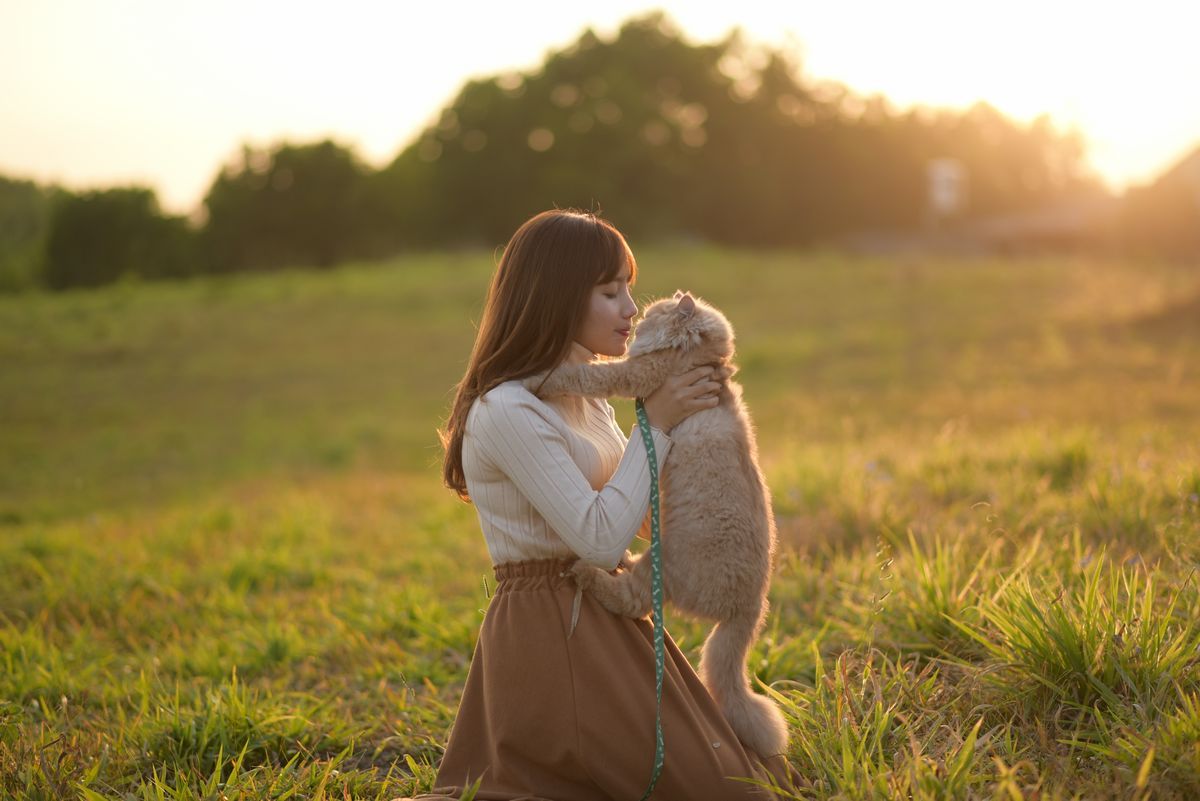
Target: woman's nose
x,y
629,312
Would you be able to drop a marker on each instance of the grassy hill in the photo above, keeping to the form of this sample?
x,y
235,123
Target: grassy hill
x,y
227,565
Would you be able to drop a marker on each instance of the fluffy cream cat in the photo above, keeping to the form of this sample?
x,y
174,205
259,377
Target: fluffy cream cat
x,y
718,529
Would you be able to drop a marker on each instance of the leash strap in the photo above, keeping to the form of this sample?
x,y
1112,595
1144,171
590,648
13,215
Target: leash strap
x,y
656,595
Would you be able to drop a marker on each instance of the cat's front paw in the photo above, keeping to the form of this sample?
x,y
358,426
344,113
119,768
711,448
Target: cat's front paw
x,y
724,372
535,382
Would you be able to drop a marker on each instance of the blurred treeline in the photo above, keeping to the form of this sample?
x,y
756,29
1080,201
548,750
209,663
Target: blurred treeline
x,y
724,142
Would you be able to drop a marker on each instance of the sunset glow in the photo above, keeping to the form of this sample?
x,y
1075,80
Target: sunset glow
x,y
163,94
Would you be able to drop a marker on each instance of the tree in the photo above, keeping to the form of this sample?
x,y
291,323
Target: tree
x,y
97,237
725,141
1164,216
24,221
288,205
615,125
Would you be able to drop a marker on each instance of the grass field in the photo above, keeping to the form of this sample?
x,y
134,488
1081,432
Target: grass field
x,y
227,567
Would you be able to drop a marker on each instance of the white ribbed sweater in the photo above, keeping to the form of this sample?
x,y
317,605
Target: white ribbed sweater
x,y
555,478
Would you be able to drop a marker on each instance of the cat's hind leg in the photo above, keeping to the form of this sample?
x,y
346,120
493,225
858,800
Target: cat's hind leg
x,y
626,593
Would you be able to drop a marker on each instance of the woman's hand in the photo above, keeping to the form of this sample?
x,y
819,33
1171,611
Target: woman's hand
x,y
681,396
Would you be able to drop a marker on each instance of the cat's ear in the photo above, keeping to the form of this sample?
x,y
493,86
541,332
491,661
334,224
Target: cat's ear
x,y
686,306
677,294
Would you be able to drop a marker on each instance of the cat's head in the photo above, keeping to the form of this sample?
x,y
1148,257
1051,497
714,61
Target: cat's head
x,y
683,323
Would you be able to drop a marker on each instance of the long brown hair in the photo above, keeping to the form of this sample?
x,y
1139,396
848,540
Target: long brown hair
x,y
536,301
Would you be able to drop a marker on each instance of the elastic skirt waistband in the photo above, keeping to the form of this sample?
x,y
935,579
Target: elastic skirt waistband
x,y
533,568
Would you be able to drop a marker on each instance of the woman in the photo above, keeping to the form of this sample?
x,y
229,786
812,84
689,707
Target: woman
x,y
560,701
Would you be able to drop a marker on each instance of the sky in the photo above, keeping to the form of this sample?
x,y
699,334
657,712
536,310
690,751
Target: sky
x,y
161,93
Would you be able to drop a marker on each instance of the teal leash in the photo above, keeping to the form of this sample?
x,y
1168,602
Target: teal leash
x,y
656,595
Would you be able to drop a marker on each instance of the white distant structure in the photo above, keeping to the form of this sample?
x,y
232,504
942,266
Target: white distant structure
x,y
946,179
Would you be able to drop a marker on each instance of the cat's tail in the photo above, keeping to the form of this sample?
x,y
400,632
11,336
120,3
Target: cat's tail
x,y
756,721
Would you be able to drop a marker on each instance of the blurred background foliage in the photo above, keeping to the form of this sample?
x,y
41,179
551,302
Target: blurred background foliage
x,y
723,142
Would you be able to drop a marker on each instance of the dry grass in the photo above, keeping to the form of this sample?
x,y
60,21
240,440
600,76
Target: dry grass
x,y
227,568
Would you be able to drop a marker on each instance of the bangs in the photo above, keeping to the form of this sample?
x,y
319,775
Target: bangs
x,y
617,255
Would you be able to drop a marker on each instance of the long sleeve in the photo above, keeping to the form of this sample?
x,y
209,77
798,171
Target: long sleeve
x,y
516,433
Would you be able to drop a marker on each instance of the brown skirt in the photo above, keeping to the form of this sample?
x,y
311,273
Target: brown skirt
x,y
547,717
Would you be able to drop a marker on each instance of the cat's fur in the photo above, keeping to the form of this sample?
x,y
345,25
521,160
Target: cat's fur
x,y
718,529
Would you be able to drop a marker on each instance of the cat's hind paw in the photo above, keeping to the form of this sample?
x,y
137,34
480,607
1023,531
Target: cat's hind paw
x,y
585,575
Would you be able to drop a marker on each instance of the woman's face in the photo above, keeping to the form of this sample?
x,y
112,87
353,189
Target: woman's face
x,y
608,317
